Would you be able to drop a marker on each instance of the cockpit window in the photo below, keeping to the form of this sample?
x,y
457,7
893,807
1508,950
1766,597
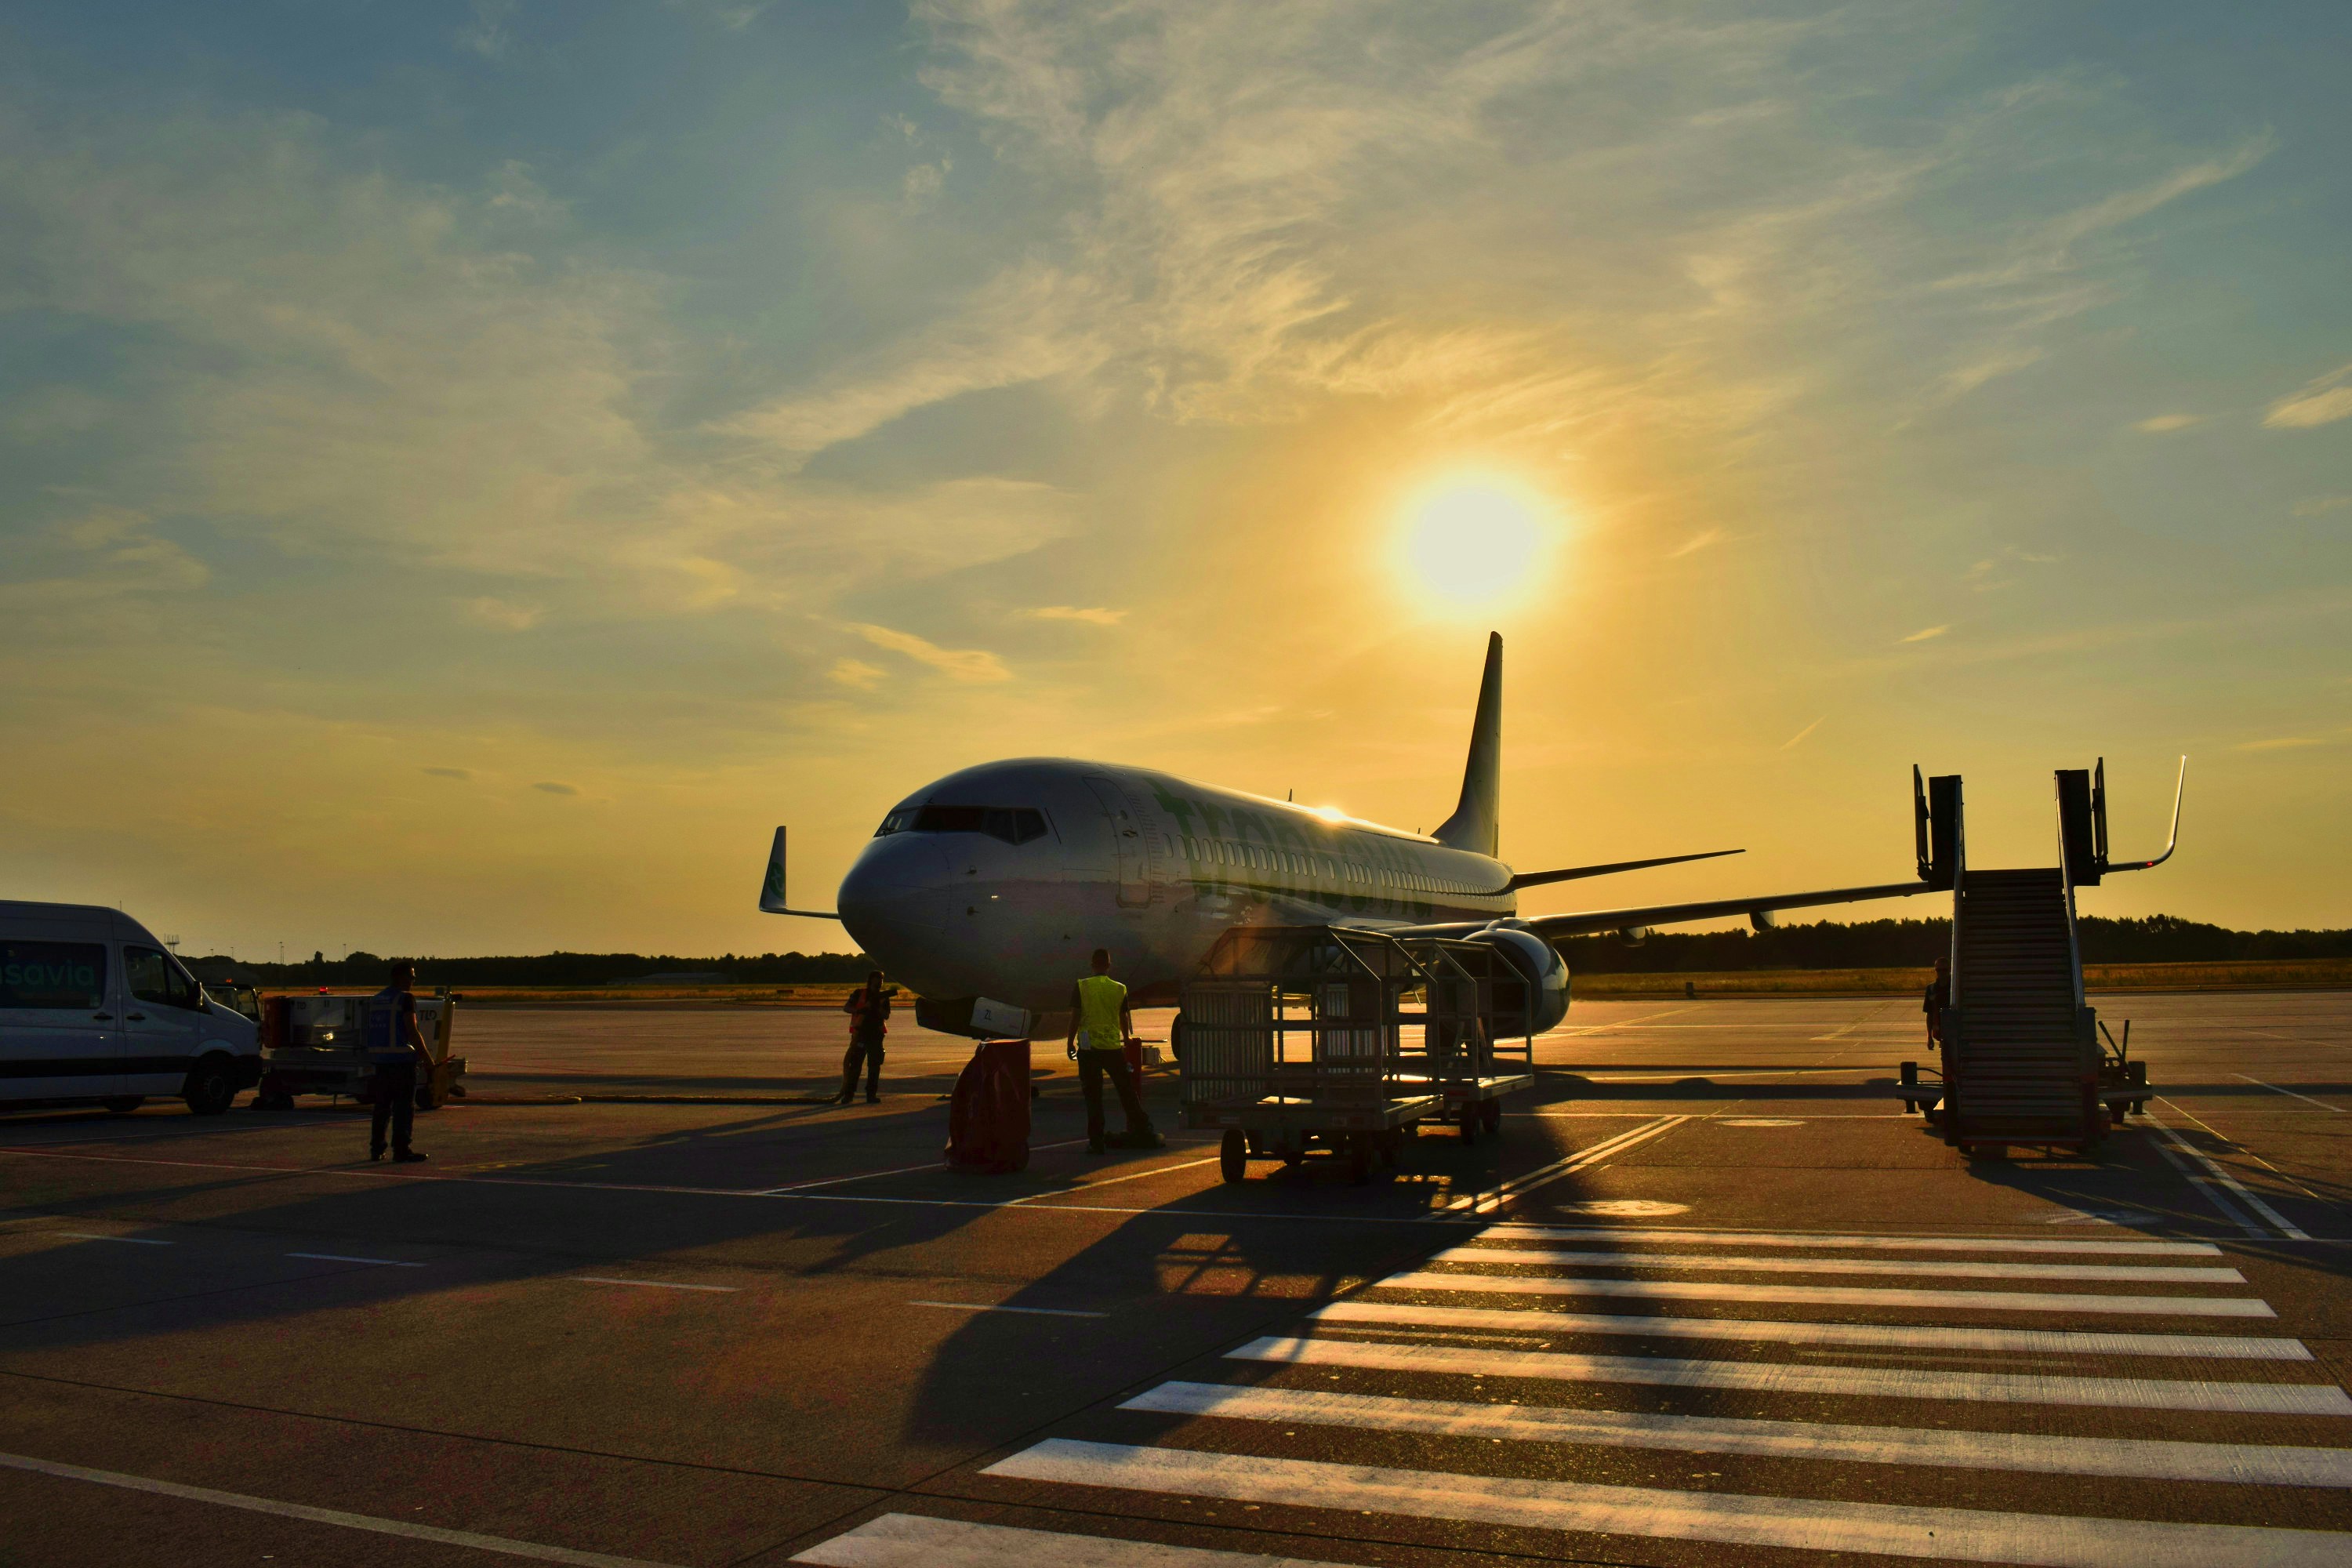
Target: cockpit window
x,y
1013,824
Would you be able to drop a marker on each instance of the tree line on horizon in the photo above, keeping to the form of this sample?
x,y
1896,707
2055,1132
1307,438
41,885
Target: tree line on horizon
x,y
1825,944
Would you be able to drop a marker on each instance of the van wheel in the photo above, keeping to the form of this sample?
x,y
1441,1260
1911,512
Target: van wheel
x,y
210,1087
123,1104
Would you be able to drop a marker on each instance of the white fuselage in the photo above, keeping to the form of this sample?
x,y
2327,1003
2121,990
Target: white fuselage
x,y
999,880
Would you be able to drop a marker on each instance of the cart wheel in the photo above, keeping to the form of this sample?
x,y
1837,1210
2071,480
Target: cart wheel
x,y
273,1099
1469,1120
1176,1039
1490,1114
1232,1156
1360,1162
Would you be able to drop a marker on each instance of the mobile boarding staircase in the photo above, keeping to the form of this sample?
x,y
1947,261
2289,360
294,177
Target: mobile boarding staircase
x,y
2024,1059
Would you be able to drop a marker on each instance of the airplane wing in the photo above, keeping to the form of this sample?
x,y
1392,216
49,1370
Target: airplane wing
x,y
1586,922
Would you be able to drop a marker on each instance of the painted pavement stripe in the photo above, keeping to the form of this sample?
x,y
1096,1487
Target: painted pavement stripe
x,y
649,1284
913,1540
1943,1268
2251,1198
1970,1535
345,1257
2244,1463
1780,1378
497,1543
2293,1094
2012,1341
127,1241
2060,1301
1515,1232
1567,1165
1031,1311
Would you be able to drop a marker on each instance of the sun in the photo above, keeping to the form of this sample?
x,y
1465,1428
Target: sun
x,y
1473,543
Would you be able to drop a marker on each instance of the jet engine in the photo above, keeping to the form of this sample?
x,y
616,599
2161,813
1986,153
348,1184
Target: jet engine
x,y
1541,966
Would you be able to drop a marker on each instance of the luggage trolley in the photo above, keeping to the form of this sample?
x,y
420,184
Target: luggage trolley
x,y
1478,1033
1292,1039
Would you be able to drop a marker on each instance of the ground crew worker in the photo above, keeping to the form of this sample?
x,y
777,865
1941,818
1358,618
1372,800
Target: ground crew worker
x,y
1099,1011
1939,996
869,1007
396,1049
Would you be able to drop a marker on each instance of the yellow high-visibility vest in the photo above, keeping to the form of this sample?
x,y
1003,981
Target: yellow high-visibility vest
x,y
1099,997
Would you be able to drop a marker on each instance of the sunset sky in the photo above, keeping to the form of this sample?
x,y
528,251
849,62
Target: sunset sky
x,y
471,472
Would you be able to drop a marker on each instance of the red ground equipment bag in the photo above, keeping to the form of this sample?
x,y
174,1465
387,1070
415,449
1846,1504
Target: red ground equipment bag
x,y
988,1115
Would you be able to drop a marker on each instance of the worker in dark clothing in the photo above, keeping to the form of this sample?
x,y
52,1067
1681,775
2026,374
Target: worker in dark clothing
x,y
1939,996
1099,1012
396,1049
869,1007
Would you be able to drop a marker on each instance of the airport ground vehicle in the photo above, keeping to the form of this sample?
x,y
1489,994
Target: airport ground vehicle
x,y
314,1045
93,1007
1303,1037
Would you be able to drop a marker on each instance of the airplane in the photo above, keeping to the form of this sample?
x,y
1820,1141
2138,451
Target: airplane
x,y
985,892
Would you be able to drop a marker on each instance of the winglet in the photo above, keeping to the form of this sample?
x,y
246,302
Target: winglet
x,y
771,887
1476,822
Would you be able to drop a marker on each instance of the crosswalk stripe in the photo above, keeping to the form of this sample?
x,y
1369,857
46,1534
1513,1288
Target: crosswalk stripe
x,y
913,1540
1874,1243
1915,1267
2063,1301
2021,1342
1777,1377
1567,1165
2043,1541
2244,1463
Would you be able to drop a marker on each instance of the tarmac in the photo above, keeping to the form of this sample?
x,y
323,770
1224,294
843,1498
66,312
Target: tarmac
x,y
1711,1296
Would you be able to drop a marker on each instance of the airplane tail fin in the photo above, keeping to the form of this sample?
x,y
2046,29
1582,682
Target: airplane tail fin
x,y
1476,822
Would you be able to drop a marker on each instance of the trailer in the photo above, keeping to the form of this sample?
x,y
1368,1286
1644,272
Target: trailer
x,y
315,1045
1299,1038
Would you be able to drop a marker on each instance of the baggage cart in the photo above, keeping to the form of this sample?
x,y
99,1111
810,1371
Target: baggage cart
x,y
314,1045
1476,1038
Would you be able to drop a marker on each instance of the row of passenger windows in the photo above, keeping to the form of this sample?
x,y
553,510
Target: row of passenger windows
x,y
1257,857
1013,823
71,976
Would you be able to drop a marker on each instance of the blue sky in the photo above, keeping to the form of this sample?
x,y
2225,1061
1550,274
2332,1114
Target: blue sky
x,y
473,470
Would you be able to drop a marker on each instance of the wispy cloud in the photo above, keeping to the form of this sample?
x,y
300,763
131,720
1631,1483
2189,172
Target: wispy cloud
x,y
501,614
856,673
972,666
1790,743
485,32
448,773
2320,506
2165,424
2320,401
551,787
2280,743
1096,616
1703,539
1924,634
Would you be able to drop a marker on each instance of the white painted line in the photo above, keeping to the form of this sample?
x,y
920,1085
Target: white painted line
x,y
342,1258
2252,1200
1583,1159
2243,1464
1032,1311
1781,1378
1914,1268
2009,1341
649,1284
913,1540
2276,1090
327,1516
1515,1231
1106,1181
127,1241
939,1164
1955,1534
2060,1301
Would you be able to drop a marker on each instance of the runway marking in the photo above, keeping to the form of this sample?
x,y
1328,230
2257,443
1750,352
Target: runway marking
x,y
2243,1464
2276,1090
1943,1268
939,1164
498,1544
1515,1230
1979,1535
1620,1023
2286,1228
126,1240
1834,1295
2016,1341
649,1284
1031,1311
342,1258
1780,1378
1106,1181
1568,1165
917,1540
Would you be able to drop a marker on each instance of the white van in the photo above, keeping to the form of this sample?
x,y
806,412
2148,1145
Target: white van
x,y
93,1007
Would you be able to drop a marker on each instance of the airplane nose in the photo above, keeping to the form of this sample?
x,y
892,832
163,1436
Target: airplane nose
x,y
891,900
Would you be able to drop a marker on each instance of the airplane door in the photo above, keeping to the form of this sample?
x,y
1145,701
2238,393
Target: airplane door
x,y
57,1021
1127,835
